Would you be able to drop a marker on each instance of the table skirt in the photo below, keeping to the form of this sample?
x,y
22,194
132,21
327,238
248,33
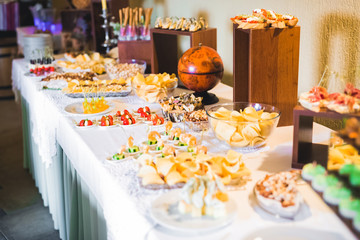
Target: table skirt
x,y
74,208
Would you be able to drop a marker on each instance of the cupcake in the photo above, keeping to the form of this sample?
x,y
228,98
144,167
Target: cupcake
x,y
311,170
349,207
355,177
334,194
321,182
346,169
356,222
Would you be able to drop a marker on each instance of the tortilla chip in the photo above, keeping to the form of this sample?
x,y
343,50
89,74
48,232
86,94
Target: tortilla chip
x,y
231,168
191,165
184,156
164,165
146,170
226,179
236,137
145,159
187,173
233,157
152,178
174,177
225,131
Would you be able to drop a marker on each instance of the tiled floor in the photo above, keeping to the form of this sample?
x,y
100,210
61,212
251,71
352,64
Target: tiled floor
x,y
22,214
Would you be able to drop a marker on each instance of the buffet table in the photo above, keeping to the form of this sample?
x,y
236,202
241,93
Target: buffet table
x,y
92,198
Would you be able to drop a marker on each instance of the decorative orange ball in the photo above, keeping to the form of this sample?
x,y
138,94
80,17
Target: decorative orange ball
x,y
200,68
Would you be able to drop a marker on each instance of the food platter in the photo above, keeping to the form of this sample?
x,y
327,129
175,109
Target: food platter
x,y
105,94
77,109
292,232
164,211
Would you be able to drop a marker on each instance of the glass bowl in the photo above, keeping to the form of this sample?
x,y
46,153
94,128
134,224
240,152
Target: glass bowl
x,y
243,125
125,68
152,93
197,120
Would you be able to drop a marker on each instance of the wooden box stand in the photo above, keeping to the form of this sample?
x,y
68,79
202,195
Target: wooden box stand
x,y
266,64
164,44
140,50
304,150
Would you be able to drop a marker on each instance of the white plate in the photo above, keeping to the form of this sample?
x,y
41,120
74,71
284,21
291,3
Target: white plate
x,y
127,157
173,220
131,125
275,207
33,75
293,233
104,127
151,147
85,127
155,126
77,109
135,153
183,148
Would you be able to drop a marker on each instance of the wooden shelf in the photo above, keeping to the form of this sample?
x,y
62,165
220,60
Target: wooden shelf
x,y
266,63
140,50
304,150
164,45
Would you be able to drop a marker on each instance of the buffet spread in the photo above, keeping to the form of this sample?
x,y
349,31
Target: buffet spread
x,y
184,168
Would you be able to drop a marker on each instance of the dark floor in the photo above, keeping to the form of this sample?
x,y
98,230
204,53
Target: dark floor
x,y
22,214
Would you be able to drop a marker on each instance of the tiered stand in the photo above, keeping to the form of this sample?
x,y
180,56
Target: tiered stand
x,y
266,64
164,57
304,150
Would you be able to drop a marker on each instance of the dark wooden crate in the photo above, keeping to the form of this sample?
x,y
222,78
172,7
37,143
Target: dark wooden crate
x,y
266,64
165,46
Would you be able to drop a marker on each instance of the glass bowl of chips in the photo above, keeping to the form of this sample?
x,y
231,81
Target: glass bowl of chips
x,y
243,125
154,87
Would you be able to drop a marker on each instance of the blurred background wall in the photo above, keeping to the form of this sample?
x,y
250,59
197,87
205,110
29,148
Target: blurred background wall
x,y
330,32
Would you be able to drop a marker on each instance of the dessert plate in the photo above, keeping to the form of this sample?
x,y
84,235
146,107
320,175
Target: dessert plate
x,y
274,207
77,109
164,211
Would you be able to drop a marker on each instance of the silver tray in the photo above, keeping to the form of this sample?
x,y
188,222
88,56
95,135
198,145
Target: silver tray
x,y
106,94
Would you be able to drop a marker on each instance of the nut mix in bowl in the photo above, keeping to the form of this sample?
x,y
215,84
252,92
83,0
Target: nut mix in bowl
x,y
174,108
154,87
243,125
125,68
197,120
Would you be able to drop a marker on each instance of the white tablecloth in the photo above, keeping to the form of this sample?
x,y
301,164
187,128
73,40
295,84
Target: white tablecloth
x,y
117,189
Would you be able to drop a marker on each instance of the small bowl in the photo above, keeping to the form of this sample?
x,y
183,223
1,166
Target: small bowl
x,y
251,134
197,120
201,126
152,95
116,74
174,116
